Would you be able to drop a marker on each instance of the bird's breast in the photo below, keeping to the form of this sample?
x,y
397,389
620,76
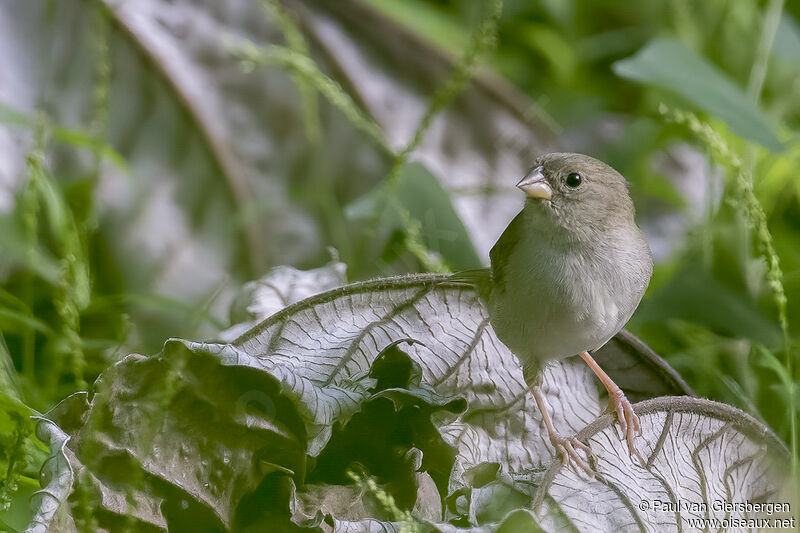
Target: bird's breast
x,y
558,302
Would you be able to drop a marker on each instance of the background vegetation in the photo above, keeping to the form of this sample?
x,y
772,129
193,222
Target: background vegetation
x,y
696,103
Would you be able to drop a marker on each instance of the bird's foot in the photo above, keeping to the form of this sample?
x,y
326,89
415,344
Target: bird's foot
x,y
568,448
628,420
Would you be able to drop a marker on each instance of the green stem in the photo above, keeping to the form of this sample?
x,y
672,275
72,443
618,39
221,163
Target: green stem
x,y
483,39
30,223
744,198
755,85
769,29
296,42
304,67
758,72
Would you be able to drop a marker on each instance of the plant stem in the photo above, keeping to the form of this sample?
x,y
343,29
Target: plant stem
x,y
484,39
296,42
30,222
755,219
758,74
769,29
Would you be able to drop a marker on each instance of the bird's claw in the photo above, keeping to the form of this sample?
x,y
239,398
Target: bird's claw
x,y
568,448
628,421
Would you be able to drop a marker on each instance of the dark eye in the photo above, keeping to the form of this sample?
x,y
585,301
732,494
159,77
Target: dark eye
x,y
574,180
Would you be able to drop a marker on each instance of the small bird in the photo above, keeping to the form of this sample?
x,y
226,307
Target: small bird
x,y
566,275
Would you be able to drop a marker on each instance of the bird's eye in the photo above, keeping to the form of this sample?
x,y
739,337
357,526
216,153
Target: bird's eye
x,y
574,180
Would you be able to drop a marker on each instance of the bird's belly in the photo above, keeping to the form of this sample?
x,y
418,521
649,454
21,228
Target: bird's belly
x,y
546,321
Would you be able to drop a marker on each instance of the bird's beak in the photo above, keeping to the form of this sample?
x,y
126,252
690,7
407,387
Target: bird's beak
x,y
535,186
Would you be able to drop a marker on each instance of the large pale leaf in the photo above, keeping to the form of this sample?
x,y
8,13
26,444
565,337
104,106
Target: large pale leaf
x,y
308,381
281,286
456,350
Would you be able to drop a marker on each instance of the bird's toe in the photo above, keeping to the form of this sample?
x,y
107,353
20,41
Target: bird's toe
x,y
629,422
569,449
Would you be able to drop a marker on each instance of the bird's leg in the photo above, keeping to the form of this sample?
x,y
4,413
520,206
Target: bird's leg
x,y
619,404
567,447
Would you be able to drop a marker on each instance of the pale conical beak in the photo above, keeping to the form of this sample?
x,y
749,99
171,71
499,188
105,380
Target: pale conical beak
x,y
535,186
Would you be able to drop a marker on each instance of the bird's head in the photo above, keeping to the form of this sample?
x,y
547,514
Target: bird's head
x,y
576,193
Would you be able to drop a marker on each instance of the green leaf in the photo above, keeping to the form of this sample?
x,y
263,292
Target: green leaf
x,y
17,252
11,320
787,40
74,137
668,64
20,453
693,295
420,194
559,52
768,360
9,385
19,514
427,20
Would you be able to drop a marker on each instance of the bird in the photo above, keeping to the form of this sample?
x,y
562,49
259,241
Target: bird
x,y
565,276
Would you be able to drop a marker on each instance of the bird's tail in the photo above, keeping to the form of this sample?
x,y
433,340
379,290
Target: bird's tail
x,y
479,279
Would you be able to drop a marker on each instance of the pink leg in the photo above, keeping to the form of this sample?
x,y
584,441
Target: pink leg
x,y
619,404
567,447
